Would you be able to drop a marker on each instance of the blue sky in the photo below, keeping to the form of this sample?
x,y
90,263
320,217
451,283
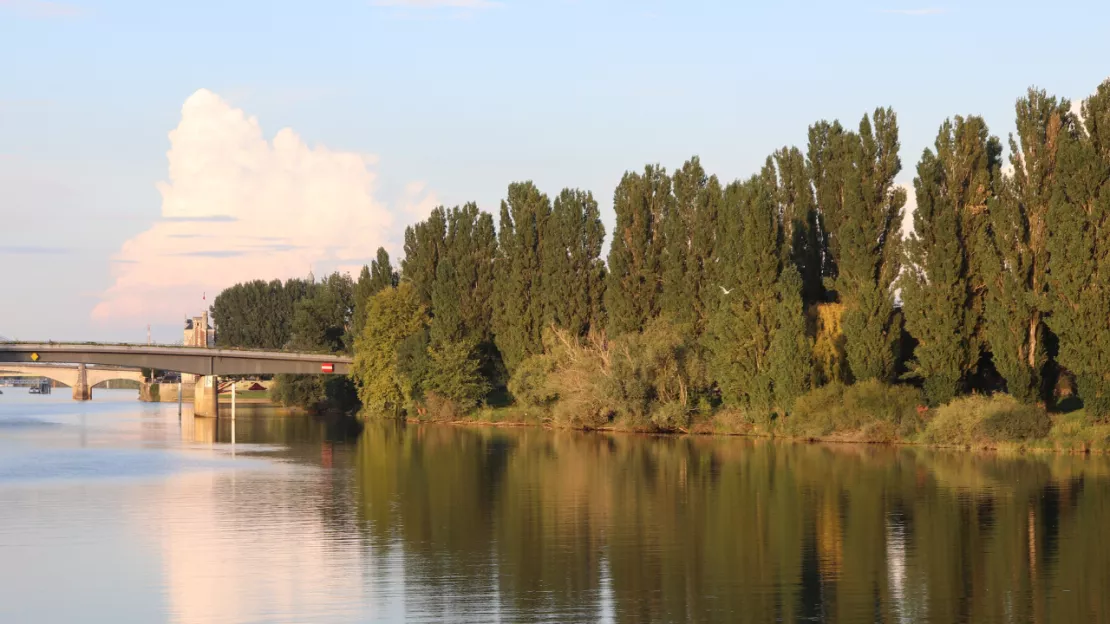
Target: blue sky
x,y
453,100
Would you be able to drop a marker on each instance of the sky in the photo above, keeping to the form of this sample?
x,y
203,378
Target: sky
x,y
153,153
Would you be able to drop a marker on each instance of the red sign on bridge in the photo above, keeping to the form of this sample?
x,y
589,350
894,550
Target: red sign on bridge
x,y
327,367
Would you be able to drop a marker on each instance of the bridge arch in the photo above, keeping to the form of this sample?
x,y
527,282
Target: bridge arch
x,y
63,377
68,375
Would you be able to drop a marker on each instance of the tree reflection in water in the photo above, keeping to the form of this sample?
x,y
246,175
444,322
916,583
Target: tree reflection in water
x,y
569,525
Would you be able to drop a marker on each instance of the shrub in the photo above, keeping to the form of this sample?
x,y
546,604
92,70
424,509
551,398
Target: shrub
x,y
454,373
1026,422
579,379
531,384
654,378
315,392
829,357
439,408
979,420
670,416
652,369
837,408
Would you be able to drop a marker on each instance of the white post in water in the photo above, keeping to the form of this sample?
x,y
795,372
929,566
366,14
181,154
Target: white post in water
x,y
233,414
180,393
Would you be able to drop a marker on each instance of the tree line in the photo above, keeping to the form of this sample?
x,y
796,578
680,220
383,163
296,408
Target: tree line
x,y
745,294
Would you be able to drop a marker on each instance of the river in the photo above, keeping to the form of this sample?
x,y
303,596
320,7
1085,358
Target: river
x,y
118,511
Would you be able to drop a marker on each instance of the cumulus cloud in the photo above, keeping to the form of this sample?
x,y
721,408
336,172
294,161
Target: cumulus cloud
x,y
239,207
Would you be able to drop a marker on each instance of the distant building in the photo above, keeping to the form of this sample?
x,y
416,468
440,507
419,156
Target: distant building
x,y
198,333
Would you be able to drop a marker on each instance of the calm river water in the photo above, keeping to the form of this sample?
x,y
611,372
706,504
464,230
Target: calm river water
x,y
114,511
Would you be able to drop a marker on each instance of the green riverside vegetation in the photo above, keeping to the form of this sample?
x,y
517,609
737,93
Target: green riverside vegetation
x,y
787,303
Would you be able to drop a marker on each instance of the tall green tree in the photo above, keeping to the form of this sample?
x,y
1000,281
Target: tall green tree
x,y
942,285
742,329
633,284
321,320
372,280
258,314
829,165
1015,249
455,374
854,175
1079,251
801,225
520,302
423,247
394,316
791,363
462,292
573,272
689,247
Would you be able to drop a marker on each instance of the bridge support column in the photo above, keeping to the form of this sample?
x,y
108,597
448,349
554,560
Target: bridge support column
x,y
206,401
81,389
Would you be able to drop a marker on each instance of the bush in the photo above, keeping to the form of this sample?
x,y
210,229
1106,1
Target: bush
x,y
837,408
315,392
671,416
650,379
984,421
440,409
654,369
531,384
454,374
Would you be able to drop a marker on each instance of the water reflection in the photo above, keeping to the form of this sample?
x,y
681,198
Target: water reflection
x,y
319,521
734,530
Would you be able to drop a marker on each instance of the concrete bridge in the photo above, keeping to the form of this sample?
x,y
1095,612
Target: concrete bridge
x,y
80,378
206,362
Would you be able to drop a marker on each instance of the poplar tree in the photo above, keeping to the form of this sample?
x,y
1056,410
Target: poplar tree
x,y
520,302
394,316
801,226
941,287
854,177
382,275
829,165
791,363
1015,251
741,331
633,283
689,246
1079,252
372,280
573,272
423,246
461,297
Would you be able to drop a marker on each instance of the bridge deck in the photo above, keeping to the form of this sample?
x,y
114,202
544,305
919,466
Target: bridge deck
x,y
196,360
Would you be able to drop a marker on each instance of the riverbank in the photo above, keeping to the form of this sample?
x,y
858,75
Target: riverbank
x,y
167,393
864,414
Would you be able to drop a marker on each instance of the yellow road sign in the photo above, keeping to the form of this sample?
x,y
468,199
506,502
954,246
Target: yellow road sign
x,y
34,357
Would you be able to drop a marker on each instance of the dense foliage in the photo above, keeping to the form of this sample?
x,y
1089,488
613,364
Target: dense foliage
x,y
761,297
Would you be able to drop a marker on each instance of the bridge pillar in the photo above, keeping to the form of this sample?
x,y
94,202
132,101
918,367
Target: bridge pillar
x,y
81,389
206,397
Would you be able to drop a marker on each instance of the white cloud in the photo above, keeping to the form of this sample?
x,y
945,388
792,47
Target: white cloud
x,y
916,12
437,4
238,207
